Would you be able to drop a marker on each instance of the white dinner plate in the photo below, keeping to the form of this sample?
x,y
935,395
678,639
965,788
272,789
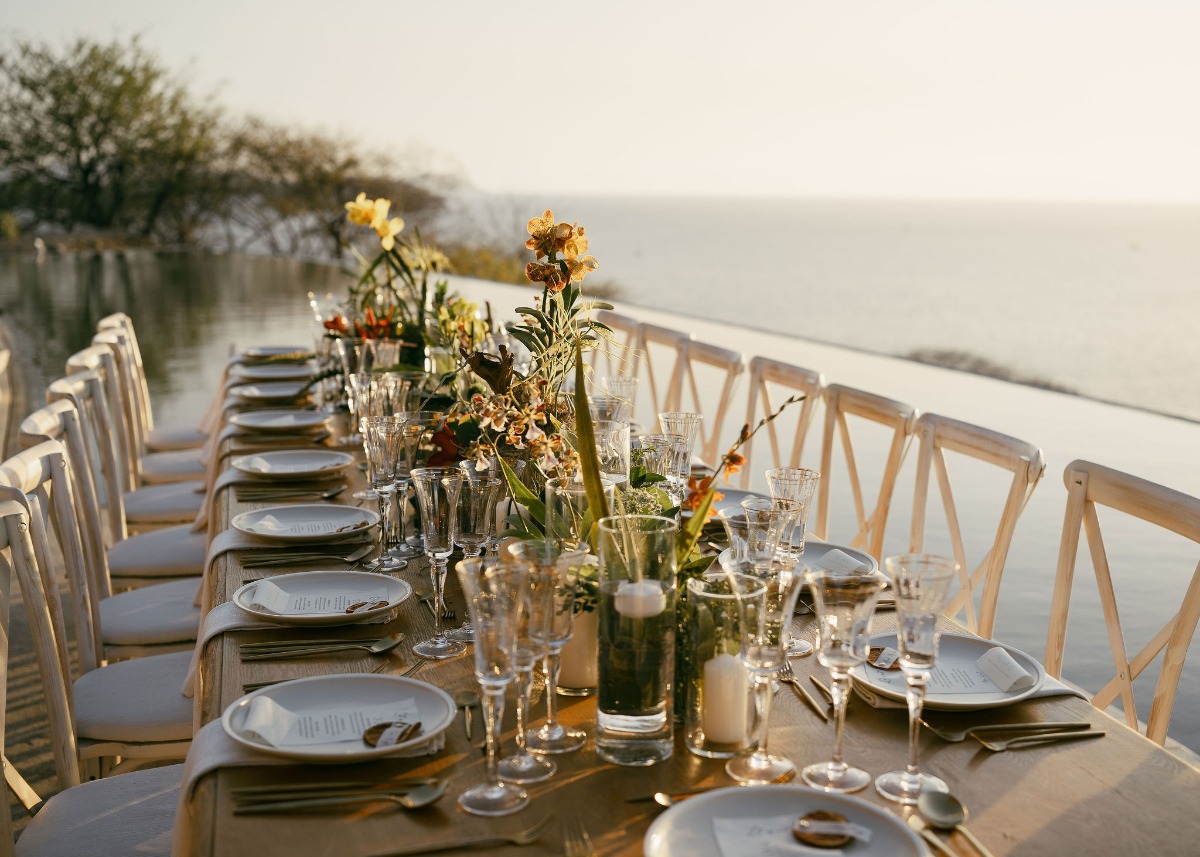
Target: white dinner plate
x,y
275,372
814,551
258,351
293,463
324,591
279,420
956,652
687,827
334,693
305,522
270,391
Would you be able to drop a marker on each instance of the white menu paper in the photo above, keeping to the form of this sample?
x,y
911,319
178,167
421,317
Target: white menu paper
x,y
270,598
269,721
762,837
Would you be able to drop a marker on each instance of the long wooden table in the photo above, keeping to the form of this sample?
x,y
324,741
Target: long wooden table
x,y
1116,795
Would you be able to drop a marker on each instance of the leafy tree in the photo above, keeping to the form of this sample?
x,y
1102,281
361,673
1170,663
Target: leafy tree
x,y
100,135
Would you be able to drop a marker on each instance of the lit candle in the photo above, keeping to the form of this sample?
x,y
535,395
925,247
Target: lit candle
x,y
724,706
639,599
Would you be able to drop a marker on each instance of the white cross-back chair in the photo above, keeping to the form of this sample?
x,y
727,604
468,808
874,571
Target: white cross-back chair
x,y
1090,486
103,405
659,370
887,417
149,468
772,382
703,368
131,814
158,438
617,353
937,435
152,619
145,558
133,709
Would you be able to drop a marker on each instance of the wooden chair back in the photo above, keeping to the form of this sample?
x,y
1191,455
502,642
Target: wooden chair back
x,y
841,404
8,416
617,353
704,367
101,360
936,435
132,412
772,382
123,324
659,370
1091,485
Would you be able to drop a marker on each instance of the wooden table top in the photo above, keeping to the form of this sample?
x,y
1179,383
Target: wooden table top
x,y
1116,795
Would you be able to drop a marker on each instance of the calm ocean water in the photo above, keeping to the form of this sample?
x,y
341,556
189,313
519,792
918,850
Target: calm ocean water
x,y
1101,299
1098,299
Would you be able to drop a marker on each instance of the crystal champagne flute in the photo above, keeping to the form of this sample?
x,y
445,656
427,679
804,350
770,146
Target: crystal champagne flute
x,y
437,495
496,594
844,604
765,607
382,439
473,521
921,583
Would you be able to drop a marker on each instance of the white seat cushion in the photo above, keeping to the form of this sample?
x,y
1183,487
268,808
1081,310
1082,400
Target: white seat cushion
x,y
175,503
136,701
163,467
169,552
163,613
129,815
175,437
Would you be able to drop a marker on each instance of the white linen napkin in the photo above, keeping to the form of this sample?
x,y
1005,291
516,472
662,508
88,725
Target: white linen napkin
x,y
840,561
211,749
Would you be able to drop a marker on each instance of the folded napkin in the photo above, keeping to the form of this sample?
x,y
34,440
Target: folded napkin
x,y
212,749
839,561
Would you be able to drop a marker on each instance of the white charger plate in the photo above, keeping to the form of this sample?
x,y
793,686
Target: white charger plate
x,y
274,372
293,463
270,391
686,828
957,651
279,420
317,583
435,709
306,522
275,350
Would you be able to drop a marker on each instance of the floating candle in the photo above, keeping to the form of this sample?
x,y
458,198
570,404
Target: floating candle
x,y
640,599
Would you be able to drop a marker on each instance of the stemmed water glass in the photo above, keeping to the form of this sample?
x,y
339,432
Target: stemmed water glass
x,y
766,522
382,442
797,484
666,455
765,607
921,583
688,425
437,496
555,572
567,508
474,518
523,766
375,394
496,594
844,604
419,423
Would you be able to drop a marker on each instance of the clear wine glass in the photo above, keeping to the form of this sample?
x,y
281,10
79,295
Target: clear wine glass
x,y
495,596
437,495
766,522
382,442
474,519
421,423
921,583
844,605
554,570
765,607
688,425
666,455
523,766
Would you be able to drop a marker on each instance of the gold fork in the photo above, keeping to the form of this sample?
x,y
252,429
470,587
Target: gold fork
x,y
788,677
576,842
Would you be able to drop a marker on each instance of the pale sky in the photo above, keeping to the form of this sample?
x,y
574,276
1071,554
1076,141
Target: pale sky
x,y
1058,99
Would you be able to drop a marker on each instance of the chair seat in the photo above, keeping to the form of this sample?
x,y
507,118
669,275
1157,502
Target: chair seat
x,y
174,437
159,614
130,815
175,503
135,701
169,552
159,468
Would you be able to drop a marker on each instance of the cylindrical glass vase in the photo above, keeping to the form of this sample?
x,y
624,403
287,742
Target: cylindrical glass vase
x,y
720,707
635,717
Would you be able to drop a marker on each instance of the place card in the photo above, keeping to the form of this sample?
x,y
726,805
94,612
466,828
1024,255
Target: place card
x,y
269,721
1004,671
270,598
765,837
841,562
261,465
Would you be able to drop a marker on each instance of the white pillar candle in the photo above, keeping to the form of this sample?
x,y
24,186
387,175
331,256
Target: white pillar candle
x,y
724,707
640,599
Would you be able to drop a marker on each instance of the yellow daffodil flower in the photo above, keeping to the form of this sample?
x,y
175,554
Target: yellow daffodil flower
x,y
387,230
361,211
